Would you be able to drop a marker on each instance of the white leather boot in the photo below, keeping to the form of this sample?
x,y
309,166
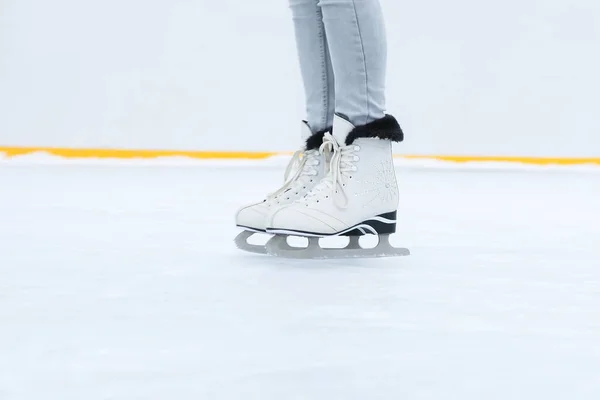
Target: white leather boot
x,y
358,196
306,168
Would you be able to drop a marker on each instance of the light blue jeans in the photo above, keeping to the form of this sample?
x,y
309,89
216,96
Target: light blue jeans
x,y
342,49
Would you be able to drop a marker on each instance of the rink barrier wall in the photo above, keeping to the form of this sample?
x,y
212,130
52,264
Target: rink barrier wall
x,y
74,153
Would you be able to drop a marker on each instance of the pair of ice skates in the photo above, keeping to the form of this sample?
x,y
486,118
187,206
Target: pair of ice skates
x,y
343,183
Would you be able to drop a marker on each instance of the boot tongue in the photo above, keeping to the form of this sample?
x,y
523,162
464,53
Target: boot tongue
x,y
305,131
341,129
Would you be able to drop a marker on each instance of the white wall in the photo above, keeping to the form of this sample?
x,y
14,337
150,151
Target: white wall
x,y
516,77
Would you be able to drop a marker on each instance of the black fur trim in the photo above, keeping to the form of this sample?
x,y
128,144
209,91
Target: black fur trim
x,y
316,140
386,128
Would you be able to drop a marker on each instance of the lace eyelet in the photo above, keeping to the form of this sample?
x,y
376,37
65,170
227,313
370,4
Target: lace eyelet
x,y
357,148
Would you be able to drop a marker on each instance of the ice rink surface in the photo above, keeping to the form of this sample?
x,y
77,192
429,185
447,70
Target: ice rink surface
x,y
122,282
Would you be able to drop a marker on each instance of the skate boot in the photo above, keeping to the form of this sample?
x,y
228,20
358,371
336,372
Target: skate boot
x,y
358,196
306,168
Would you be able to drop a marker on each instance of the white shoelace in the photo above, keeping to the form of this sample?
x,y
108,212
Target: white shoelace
x,y
301,168
341,167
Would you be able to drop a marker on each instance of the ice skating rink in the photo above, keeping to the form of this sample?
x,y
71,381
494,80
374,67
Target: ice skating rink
x,y
122,282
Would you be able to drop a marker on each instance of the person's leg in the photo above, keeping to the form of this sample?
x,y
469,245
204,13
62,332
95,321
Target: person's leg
x,y
359,195
357,42
315,63
309,165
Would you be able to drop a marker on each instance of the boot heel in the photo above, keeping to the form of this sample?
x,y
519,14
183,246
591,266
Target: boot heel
x,y
384,224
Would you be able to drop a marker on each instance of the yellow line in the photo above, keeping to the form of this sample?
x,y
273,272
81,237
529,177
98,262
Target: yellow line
x,y
131,154
233,155
511,159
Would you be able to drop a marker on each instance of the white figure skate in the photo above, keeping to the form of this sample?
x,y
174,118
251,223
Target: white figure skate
x,y
306,168
358,196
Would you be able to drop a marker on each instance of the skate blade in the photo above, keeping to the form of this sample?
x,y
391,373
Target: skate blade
x,y
241,242
279,247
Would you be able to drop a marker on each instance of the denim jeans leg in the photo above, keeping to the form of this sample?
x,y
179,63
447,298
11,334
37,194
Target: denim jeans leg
x,y
315,63
357,41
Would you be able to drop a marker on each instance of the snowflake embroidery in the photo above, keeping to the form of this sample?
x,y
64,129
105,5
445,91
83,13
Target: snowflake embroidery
x,y
380,185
